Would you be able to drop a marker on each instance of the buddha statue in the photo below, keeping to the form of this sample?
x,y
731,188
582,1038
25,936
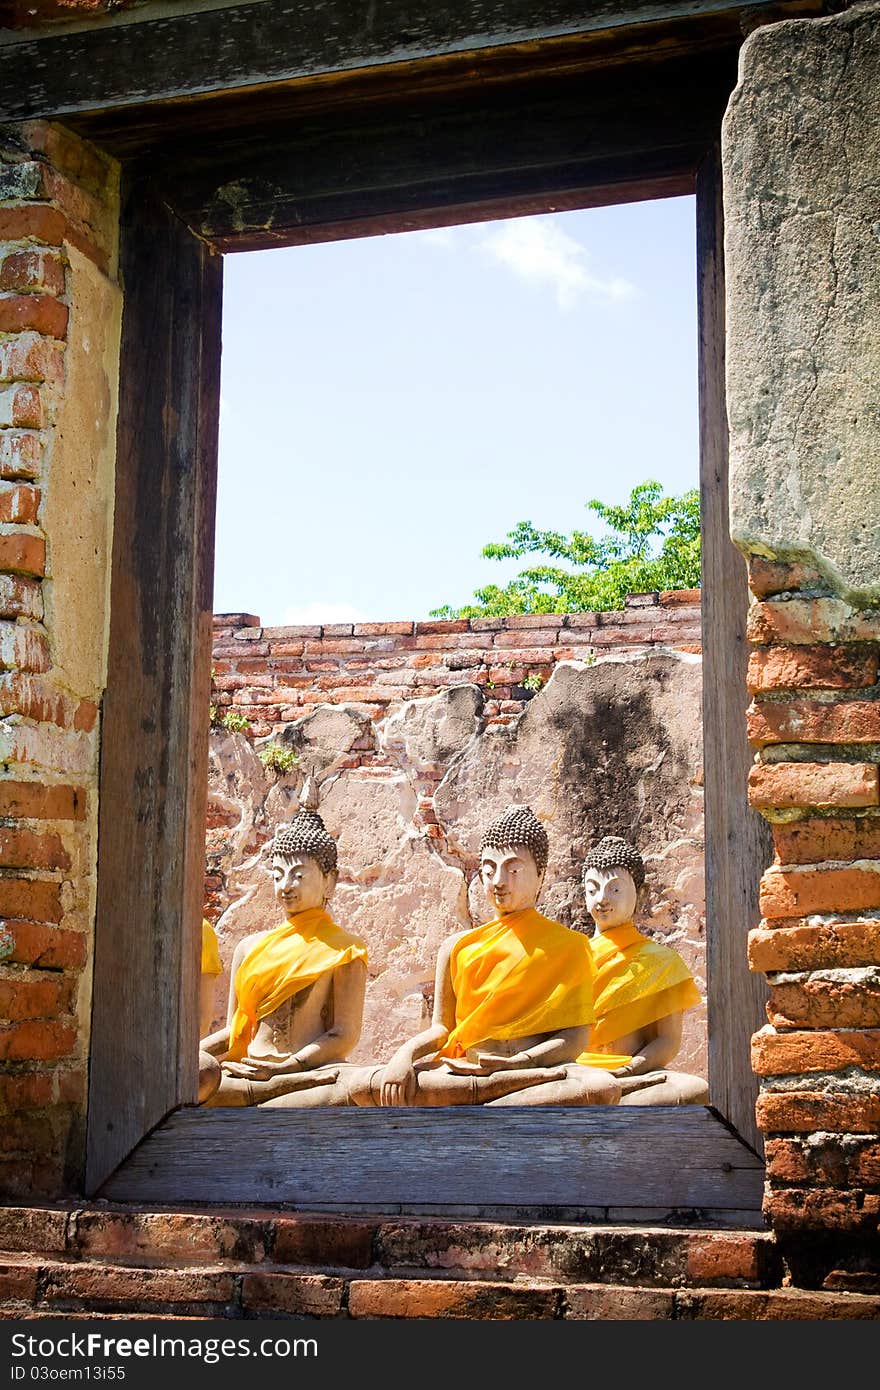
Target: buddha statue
x,y
513,1001
296,993
642,987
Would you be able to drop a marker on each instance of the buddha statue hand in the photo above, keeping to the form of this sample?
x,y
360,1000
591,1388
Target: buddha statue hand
x,y
636,1066
484,1063
297,1077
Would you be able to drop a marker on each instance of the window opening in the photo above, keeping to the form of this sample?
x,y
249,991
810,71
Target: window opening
x,y
388,407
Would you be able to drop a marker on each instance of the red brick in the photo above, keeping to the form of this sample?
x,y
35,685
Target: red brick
x,y
21,553
38,801
441,626
610,1303
33,995
303,1295
24,849
780,785
790,1053
676,598
441,641
19,504
825,667
23,648
140,1288
344,1242
26,1091
823,1209
441,1298
44,1040
402,629
233,620
34,899
39,221
806,721
780,1112
821,1003
722,1257
668,635
791,944
34,271
581,620
516,621
21,454
71,1087
167,1239
21,407
37,1229
797,892
827,837
20,598
544,639
32,358
48,948
776,577
773,1305
38,313
829,1160
18,1283
39,699
808,621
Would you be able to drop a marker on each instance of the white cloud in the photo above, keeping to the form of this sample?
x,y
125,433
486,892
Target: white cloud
x,y
537,249
443,237
319,612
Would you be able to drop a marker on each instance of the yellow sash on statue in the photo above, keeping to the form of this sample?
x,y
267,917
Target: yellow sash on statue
x,y
518,975
638,981
211,962
281,964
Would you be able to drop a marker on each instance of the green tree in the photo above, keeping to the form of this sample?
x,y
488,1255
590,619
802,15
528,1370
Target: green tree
x,y
653,542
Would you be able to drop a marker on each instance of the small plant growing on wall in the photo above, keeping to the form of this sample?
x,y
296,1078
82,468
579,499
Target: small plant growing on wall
x,y
533,681
234,722
276,758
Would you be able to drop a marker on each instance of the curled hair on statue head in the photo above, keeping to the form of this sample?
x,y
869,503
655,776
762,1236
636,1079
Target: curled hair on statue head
x,y
306,834
515,827
613,852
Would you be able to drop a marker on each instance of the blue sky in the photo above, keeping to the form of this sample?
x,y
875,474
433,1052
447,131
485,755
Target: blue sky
x,y
390,404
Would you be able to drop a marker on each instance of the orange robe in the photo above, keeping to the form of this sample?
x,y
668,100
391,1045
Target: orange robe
x,y
282,963
518,975
638,981
211,962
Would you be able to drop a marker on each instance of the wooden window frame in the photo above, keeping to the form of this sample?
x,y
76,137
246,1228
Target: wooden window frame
x,y
535,121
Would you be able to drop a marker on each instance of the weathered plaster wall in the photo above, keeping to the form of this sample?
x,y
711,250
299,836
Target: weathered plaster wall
x,y
610,747
802,194
59,341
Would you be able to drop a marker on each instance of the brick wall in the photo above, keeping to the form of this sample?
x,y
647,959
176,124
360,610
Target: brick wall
x,y
57,233
815,723
272,675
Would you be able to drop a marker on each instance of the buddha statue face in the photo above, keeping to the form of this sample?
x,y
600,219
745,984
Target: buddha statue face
x,y
611,896
300,882
510,877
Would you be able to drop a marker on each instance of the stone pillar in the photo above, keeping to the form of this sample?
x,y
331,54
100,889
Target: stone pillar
x,y
802,205
60,312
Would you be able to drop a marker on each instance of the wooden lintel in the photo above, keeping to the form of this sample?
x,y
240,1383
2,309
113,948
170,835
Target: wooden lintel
x,y
510,151
140,60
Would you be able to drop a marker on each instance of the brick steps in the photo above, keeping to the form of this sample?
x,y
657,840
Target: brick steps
x,y
227,1263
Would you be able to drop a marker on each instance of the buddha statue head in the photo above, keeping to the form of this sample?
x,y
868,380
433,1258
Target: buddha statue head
x,y
614,873
513,858
303,864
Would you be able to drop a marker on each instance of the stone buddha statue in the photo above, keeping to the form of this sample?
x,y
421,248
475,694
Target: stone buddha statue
x,y
513,1000
642,987
296,992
